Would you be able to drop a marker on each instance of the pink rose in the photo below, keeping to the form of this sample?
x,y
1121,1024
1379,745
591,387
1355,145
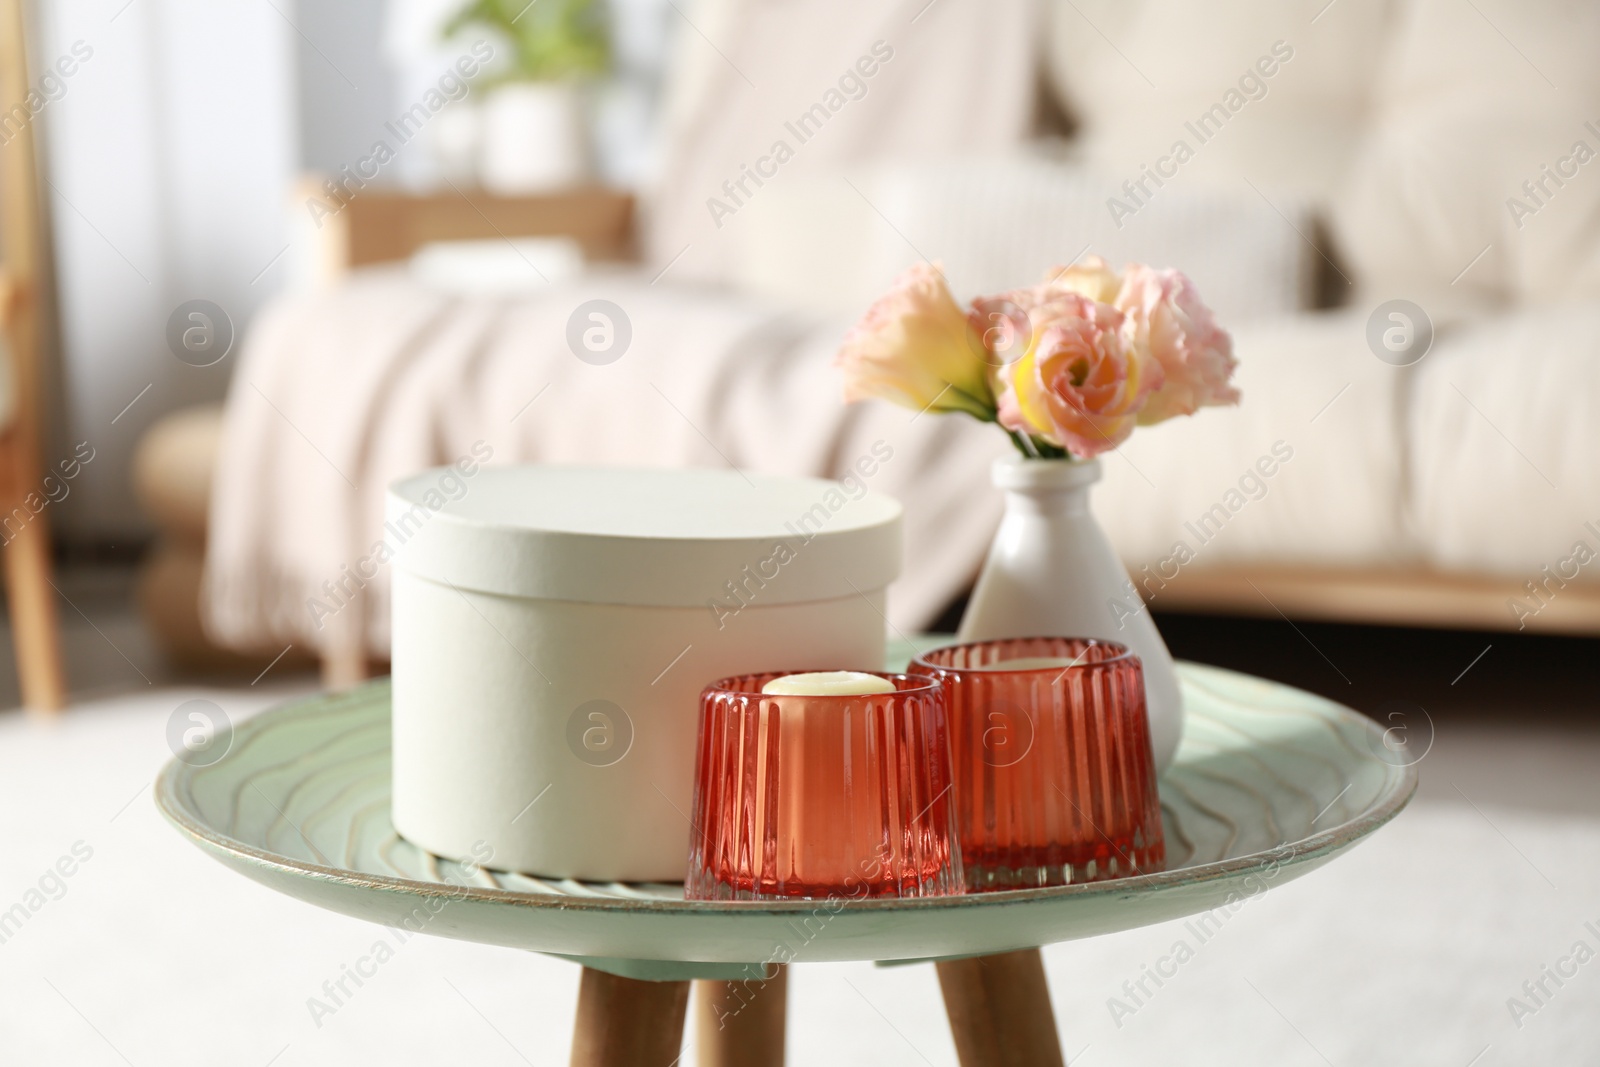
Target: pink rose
x,y
1080,385
915,347
1166,318
1076,361
1009,322
1092,278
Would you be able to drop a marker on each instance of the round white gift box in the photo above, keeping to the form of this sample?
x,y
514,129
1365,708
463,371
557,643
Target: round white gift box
x,y
553,628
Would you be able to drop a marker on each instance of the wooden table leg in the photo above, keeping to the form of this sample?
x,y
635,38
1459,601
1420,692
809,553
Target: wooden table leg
x,y
999,1009
742,1023
623,1022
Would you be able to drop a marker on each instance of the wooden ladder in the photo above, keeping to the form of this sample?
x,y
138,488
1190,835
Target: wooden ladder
x,y
24,532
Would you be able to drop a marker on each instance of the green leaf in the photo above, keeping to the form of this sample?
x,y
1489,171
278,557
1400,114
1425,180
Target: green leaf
x,y
550,40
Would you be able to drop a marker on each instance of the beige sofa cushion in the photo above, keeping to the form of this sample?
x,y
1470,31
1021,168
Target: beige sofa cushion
x,y
749,70
998,223
1469,113
1136,73
1504,431
1310,383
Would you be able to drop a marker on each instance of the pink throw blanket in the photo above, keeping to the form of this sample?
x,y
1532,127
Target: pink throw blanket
x,y
340,393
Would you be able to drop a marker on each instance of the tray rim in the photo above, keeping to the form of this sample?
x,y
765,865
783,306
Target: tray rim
x,y
1401,786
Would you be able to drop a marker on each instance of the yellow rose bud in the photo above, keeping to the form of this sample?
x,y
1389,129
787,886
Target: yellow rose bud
x,y
915,347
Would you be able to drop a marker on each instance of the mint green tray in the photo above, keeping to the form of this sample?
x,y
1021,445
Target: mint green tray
x,y
1270,782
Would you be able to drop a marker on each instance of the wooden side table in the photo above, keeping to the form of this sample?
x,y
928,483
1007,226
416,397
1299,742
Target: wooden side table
x,y
1269,784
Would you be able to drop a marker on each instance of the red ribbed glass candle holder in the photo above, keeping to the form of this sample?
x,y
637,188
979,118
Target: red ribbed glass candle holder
x,y
1054,778
822,796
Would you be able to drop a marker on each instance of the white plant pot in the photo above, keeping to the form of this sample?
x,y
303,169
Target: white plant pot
x,y
534,139
455,140
1052,573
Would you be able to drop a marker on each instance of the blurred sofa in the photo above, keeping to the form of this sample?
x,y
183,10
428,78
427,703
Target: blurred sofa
x,y
1338,159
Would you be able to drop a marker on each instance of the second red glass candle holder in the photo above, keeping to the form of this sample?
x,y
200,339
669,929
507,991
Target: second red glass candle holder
x,y
1050,746
807,796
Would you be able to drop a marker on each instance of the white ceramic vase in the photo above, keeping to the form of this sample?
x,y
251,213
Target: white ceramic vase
x,y
1051,572
534,139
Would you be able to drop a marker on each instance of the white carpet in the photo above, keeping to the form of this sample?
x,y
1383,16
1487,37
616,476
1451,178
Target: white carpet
x,y
1403,952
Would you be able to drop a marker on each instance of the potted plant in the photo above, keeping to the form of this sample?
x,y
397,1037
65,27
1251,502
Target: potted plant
x,y
534,135
1068,368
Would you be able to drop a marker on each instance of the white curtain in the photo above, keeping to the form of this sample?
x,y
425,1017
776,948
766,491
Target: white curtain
x,y
168,152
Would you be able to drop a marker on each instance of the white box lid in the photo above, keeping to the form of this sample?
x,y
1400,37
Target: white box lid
x,y
658,537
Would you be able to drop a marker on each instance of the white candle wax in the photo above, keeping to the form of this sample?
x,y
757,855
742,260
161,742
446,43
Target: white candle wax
x,y
828,684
